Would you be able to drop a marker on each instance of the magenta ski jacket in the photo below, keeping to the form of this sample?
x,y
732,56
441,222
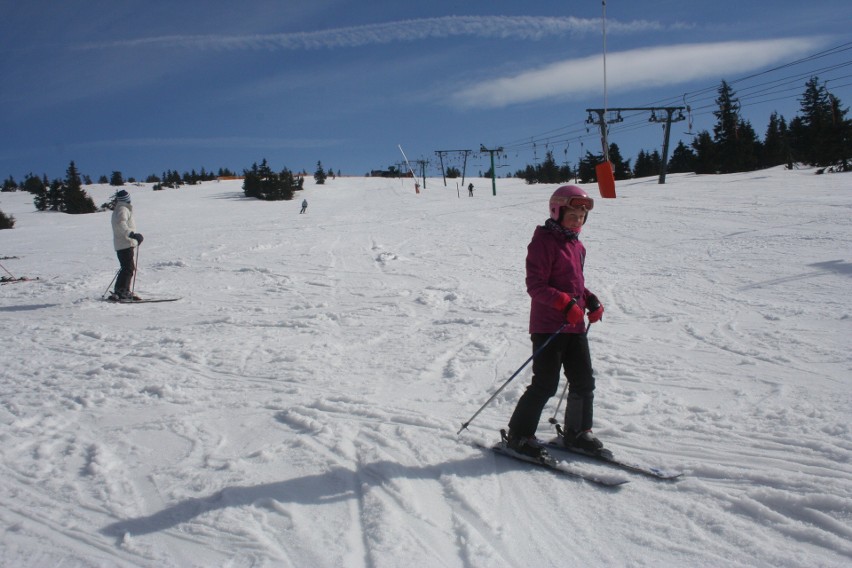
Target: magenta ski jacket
x,y
554,276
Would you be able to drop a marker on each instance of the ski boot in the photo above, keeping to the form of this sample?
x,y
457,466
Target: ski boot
x,y
525,445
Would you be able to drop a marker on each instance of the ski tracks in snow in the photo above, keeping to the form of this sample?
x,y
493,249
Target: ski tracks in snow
x,y
299,405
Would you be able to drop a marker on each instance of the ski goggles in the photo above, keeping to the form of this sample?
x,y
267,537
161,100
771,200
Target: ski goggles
x,y
575,202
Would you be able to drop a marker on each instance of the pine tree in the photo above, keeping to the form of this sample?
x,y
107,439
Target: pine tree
x,y
647,164
262,183
34,184
252,180
116,179
821,135
38,188
620,166
40,198
750,148
54,195
72,177
549,170
6,221
841,133
319,174
10,184
656,161
587,172
705,154
776,144
725,131
682,160
75,200
546,172
736,143
586,168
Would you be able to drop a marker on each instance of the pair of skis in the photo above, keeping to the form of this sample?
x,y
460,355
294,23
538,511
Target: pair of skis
x,y
141,301
575,469
15,280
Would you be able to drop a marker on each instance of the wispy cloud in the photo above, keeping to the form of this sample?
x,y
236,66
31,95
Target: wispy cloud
x,y
633,70
497,27
213,142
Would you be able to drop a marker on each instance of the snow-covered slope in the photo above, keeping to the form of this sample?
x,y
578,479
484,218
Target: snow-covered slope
x,y
299,405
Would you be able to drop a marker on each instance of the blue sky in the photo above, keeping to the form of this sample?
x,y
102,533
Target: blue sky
x,y
142,87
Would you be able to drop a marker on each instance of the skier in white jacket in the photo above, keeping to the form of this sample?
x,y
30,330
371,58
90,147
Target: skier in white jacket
x,y
125,239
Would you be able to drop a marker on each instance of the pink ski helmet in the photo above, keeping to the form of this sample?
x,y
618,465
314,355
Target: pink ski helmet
x,y
570,196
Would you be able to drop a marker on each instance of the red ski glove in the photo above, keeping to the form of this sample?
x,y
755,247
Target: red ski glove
x,y
596,315
573,312
595,308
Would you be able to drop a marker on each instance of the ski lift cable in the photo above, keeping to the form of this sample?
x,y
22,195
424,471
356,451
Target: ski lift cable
x,y
694,99
712,89
640,122
825,53
751,99
800,75
521,142
742,92
744,96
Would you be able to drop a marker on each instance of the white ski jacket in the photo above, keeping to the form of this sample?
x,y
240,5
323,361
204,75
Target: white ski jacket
x,y
122,225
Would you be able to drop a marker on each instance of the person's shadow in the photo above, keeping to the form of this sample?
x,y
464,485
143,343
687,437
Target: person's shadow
x,y
337,484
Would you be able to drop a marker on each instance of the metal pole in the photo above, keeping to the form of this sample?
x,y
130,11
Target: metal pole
x,y
416,185
664,162
603,121
515,374
493,176
6,271
482,148
464,165
110,283
135,270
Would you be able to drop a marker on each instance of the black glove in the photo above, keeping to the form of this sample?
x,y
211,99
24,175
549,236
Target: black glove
x,y
136,236
596,309
592,302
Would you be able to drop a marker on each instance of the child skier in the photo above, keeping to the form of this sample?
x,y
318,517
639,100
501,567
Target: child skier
x,y
555,283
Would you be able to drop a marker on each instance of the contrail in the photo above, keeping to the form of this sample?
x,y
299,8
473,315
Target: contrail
x,y
527,28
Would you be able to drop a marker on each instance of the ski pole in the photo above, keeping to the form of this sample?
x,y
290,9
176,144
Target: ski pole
x,y
7,272
564,390
553,419
515,374
110,283
135,270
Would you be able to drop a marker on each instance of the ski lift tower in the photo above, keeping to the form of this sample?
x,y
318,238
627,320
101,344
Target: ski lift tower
x,y
499,150
669,118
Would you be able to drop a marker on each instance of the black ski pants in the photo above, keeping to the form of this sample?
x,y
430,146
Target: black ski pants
x,y
568,352
128,267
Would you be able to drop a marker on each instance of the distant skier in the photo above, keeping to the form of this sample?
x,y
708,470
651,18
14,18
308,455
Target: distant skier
x,y
555,283
470,190
125,239
304,206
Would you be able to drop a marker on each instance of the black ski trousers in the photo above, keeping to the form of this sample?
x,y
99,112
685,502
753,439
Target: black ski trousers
x,y
568,351
125,275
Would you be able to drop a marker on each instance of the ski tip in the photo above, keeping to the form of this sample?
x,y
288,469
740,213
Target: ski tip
x,y
666,475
